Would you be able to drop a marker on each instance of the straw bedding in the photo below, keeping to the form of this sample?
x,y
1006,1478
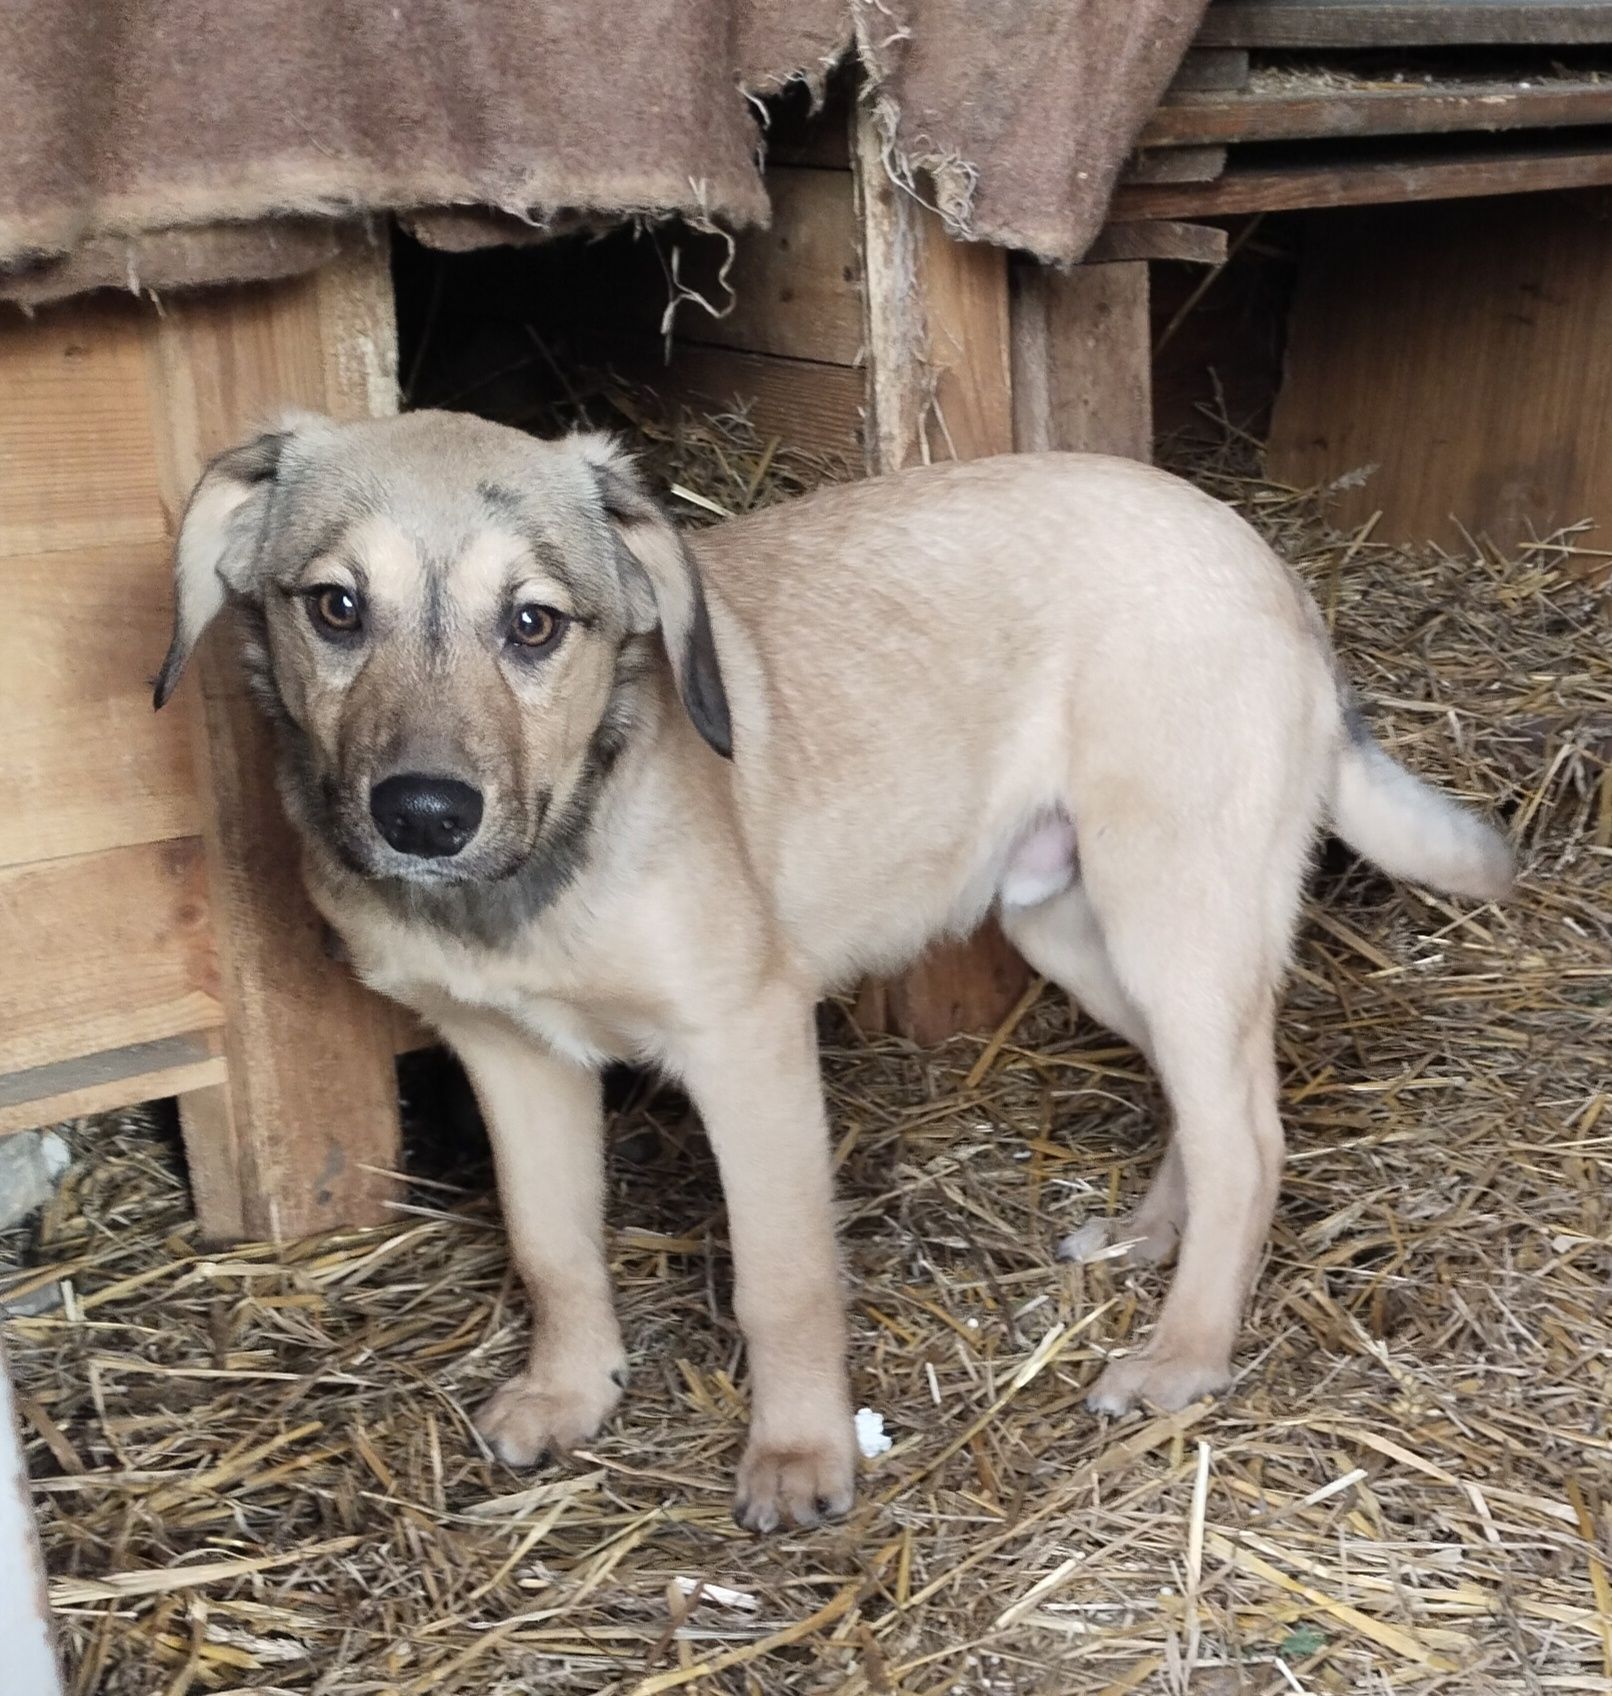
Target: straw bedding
x,y
255,1470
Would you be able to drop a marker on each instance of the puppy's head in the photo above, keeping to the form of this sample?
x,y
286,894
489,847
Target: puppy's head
x,y
444,613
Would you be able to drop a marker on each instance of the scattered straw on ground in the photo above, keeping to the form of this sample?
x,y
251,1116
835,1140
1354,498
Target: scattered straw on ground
x,y
255,1468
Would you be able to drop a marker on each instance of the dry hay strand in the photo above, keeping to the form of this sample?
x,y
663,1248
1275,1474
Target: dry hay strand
x,y
255,1468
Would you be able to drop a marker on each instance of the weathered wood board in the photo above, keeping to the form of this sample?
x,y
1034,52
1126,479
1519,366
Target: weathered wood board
x,y
155,936
1356,181
1475,388
1404,23
1285,115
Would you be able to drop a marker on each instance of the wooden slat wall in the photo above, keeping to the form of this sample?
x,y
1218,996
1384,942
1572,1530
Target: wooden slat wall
x,y
790,352
815,407
154,934
1350,105
105,924
798,282
103,950
84,762
1478,387
77,459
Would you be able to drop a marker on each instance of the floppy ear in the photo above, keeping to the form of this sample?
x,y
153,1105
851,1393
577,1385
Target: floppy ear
x,y
218,544
663,587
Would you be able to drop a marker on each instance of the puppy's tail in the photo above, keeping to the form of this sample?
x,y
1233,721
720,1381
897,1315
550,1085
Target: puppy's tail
x,y
1408,828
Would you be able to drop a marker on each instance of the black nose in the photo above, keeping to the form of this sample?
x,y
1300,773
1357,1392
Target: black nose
x,y
429,816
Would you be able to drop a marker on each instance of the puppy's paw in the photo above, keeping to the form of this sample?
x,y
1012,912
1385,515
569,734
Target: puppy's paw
x,y
1126,1242
1164,1381
544,1413
800,1483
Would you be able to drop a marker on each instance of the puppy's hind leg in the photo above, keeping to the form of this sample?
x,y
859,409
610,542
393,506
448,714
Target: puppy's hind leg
x,y
1062,940
1194,960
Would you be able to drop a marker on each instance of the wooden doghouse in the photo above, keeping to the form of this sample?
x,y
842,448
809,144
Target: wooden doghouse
x,y
154,935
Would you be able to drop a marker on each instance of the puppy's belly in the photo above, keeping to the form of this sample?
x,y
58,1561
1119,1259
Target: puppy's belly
x,y
1042,863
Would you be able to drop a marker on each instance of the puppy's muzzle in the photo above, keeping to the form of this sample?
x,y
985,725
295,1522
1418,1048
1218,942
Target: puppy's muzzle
x,y
432,818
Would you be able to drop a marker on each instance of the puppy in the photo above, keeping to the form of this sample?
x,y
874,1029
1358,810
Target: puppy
x,y
574,787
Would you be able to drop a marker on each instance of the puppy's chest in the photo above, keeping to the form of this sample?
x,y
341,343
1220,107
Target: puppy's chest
x,y
534,987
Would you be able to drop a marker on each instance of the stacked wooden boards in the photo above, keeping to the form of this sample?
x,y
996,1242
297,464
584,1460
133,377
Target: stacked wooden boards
x,y
1333,102
1444,372
154,939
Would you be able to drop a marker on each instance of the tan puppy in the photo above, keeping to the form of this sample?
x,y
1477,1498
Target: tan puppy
x,y
573,787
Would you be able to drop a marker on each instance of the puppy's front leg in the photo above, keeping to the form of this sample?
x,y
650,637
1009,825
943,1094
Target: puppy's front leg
x,y
756,1084
545,1118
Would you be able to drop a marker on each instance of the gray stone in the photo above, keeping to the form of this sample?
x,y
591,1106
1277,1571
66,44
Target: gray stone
x,y
31,1166
46,1299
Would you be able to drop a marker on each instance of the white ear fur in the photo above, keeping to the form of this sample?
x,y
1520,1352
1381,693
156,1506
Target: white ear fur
x,y
202,556
662,585
218,542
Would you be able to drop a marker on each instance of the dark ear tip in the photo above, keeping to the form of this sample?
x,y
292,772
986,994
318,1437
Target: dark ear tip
x,y
168,678
707,705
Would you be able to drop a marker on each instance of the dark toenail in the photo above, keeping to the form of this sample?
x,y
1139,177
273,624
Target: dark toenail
x,y
740,1509
619,1377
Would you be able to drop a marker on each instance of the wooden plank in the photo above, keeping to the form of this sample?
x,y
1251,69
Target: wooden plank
x,y
84,762
103,950
1380,182
1175,165
118,1077
77,461
298,1139
1081,360
968,365
1404,23
798,284
1159,238
939,381
1210,68
1470,379
1281,115
896,340
939,386
814,408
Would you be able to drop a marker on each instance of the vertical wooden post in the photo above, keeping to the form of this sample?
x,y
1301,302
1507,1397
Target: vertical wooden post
x,y
299,1137
1082,359
939,386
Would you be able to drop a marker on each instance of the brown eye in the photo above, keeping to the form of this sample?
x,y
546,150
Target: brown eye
x,y
337,609
533,626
